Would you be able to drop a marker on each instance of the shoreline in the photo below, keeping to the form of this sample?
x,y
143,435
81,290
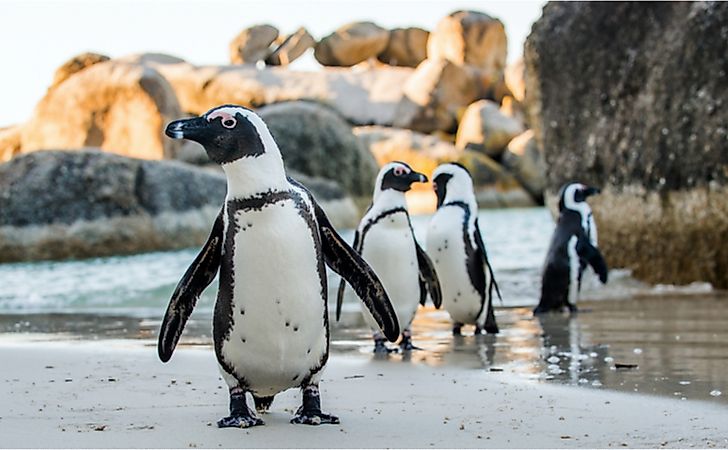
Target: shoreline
x,y
117,394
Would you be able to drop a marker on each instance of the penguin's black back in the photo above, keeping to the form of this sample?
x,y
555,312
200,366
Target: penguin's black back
x,y
556,274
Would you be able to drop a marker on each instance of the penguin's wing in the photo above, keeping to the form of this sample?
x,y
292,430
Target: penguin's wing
x,y
481,245
593,256
342,284
429,283
198,276
345,261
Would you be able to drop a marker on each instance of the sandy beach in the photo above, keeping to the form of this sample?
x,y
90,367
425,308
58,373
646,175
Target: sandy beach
x,y
117,394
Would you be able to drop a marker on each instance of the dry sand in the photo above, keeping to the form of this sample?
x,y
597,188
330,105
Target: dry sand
x,y
117,394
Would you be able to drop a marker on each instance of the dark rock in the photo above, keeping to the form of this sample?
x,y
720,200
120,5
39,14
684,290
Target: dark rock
x,y
77,204
316,141
631,97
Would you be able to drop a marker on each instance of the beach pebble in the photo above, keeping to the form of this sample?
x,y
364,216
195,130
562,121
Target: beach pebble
x,y
637,351
608,359
715,393
553,359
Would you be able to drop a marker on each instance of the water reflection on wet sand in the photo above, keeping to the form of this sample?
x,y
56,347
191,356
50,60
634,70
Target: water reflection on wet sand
x,y
668,346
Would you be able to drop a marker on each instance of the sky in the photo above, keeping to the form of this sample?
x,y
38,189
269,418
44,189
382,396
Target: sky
x,y
37,36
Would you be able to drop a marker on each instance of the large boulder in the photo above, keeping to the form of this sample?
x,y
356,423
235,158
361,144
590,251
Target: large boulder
x,y
484,128
252,44
351,44
76,64
364,97
470,38
405,47
524,160
290,47
62,204
119,107
632,97
434,95
316,141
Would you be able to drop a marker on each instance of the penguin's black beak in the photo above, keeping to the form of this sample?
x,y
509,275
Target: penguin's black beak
x,y
589,191
191,129
416,177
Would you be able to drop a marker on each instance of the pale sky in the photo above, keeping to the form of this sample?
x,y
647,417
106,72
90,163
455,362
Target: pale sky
x,y
37,36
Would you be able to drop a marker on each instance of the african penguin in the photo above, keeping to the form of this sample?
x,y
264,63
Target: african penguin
x,y
456,247
269,243
573,246
386,241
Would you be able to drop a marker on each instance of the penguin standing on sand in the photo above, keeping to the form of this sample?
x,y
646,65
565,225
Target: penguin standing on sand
x,y
573,247
456,247
269,243
386,241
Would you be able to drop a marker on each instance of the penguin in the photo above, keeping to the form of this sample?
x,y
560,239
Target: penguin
x,y
270,244
455,246
573,247
386,240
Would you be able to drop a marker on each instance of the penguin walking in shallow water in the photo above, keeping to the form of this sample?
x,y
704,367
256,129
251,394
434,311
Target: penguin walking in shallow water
x,y
457,250
270,244
386,241
573,247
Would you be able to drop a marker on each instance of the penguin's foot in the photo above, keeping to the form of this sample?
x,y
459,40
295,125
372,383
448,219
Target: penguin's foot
x,y
314,418
381,348
406,344
239,422
490,328
310,411
457,329
262,404
572,308
240,415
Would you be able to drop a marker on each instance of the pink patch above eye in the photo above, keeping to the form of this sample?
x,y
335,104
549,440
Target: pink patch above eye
x,y
228,120
399,171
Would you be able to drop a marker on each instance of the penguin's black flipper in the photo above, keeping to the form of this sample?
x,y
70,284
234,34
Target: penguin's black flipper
x,y
198,276
481,245
345,261
342,284
428,278
593,256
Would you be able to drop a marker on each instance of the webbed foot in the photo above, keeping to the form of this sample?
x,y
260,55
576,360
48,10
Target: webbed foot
x,y
262,404
240,415
457,329
239,422
310,411
380,347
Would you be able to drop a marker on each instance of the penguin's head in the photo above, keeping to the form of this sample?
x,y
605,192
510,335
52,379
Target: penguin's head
x,y
397,176
452,181
228,133
573,196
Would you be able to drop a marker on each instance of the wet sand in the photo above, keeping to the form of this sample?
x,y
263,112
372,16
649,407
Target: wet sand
x,y
116,394
543,382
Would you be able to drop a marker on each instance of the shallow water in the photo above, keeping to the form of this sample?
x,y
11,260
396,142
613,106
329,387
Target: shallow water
x,y
678,342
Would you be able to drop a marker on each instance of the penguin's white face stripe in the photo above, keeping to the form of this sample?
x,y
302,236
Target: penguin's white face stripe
x,y
227,113
582,208
459,187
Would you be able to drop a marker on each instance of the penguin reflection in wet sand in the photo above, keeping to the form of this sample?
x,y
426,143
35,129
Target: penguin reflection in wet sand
x,y
573,246
270,243
456,248
386,241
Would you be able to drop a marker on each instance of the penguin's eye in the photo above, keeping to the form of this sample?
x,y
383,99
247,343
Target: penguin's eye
x,y
399,171
229,122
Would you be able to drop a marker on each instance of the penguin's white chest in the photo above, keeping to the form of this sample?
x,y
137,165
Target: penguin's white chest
x,y
446,249
389,248
278,333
